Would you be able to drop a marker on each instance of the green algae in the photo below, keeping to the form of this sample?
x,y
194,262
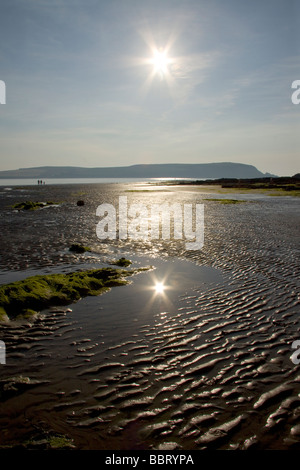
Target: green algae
x,y
146,190
60,442
46,440
3,315
23,299
77,248
226,201
31,205
122,262
281,192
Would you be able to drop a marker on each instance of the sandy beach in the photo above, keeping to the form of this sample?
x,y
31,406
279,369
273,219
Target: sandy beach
x,y
205,365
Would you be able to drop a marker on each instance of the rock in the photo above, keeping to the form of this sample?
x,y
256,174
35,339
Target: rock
x,y
77,248
80,203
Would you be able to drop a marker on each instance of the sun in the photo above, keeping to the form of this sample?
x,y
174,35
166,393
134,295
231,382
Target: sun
x,y
160,62
161,65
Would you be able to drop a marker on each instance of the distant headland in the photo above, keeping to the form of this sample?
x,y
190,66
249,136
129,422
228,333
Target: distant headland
x,y
164,170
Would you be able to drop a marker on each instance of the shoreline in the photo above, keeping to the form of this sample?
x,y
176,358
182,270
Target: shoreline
x,y
287,185
272,186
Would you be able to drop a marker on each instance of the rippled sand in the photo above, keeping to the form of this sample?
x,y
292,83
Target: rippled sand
x,y
207,364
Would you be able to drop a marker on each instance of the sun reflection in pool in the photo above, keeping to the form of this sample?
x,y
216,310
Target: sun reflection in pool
x,y
159,288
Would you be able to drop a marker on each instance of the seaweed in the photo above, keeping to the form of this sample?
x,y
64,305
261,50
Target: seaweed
x,y
31,205
22,299
77,248
226,201
122,262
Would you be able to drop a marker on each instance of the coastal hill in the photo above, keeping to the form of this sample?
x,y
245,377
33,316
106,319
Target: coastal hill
x,y
166,170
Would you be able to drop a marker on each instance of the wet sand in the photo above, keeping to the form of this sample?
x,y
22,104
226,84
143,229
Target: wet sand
x,y
206,364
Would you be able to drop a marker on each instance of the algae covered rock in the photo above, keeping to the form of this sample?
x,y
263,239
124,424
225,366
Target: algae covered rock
x,y
32,205
29,296
77,248
123,262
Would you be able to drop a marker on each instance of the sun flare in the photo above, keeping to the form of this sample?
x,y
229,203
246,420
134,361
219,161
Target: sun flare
x,y
159,287
161,65
160,61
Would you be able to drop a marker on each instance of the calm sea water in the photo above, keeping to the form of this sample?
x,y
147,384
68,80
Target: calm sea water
x,y
34,181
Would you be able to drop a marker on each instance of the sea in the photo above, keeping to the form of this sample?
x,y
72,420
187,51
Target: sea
x,y
64,181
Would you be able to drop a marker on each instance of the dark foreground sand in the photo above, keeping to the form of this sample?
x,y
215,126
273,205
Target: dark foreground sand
x,y
206,365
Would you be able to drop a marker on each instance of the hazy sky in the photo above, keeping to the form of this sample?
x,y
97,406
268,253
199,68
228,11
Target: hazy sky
x,y
81,89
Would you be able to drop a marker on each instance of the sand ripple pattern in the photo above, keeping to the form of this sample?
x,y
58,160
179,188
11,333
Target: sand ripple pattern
x,y
214,374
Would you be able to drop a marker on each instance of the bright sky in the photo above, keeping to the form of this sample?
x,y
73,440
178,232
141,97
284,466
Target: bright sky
x,y
120,82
